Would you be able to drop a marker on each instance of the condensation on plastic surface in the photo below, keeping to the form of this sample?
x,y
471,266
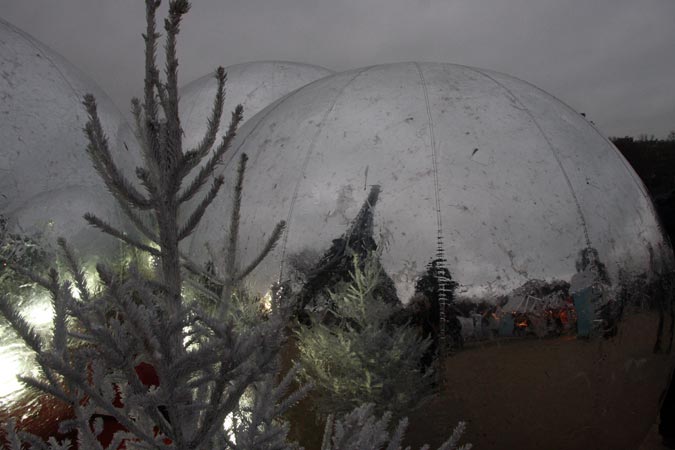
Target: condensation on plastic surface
x,y
522,182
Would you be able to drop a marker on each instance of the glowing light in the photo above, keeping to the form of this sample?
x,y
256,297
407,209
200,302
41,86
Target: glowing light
x,y
91,280
228,425
15,357
266,302
12,357
39,313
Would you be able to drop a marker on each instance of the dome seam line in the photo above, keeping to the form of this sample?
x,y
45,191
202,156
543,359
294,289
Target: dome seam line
x,y
440,249
434,160
255,128
44,54
551,148
625,163
310,150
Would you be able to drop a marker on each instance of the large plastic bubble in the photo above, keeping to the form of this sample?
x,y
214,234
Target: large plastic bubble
x,y
515,183
561,328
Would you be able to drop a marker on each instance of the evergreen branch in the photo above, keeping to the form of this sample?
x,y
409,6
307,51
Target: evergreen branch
x,y
208,169
23,328
215,416
233,235
192,157
35,278
399,433
153,153
204,291
105,275
54,391
453,440
86,437
165,160
99,152
283,387
169,94
236,390
88,338
235,218
177,9
327,433
139,128
143,136
119,439
196,269
104,337
139,224
151,71
67,425
25,331
223,330
269,246
162,93
157,286
204,356
60,332
80,381
146,180
198,213
75,270
106,228
35,442
152,132
11,436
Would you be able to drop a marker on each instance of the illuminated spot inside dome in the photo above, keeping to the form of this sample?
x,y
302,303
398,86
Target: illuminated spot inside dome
x,y
16,358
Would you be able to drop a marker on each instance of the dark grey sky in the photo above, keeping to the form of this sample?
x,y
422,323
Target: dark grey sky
x,y
613,59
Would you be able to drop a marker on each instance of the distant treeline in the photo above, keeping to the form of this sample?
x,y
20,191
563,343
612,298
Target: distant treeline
x,y
654,161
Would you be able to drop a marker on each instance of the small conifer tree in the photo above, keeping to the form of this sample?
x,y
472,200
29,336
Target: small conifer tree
x,y
204,371
355,352
203,367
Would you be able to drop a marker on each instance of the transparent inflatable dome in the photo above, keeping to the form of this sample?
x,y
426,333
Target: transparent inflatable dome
x,y
515,183
254,85
47,181
560,330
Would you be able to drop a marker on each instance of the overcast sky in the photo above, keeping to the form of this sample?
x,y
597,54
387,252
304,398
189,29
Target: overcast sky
x,y
612,59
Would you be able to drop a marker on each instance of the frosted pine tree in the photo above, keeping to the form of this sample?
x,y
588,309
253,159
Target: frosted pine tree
x,y
208,384
354,352
203,367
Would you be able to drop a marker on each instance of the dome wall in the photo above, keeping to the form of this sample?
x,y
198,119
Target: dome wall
x,y
561,322
254,85
518,182
58,213
44,157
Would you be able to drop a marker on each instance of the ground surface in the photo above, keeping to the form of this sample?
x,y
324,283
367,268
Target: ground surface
x,y
653,440
526,394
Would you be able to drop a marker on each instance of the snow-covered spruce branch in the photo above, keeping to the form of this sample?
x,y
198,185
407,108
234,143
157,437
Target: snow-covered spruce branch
x,y
361,429
354,353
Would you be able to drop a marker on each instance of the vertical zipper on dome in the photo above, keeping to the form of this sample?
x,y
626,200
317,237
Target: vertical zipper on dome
x,y
441,270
